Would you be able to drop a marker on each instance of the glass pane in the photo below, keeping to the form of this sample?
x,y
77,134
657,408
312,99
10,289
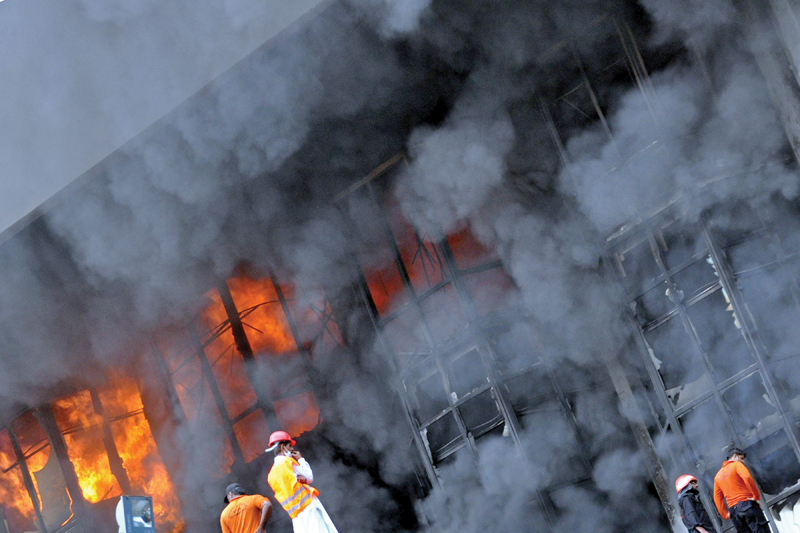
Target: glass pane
x,y
774,308
406,336
722,340
480,414
694,277
653,304
443,436
83,433
751,254
429,395
421,255
787,382
639,266
443,313
750,409
707,433
262,314
318,326
467,372
252,432
383,278
528,391
680,243
774,463
675,354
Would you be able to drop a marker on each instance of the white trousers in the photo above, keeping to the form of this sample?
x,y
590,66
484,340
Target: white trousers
x,y
313,519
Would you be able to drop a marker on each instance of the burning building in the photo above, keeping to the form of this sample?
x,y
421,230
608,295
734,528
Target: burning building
x,y
510,267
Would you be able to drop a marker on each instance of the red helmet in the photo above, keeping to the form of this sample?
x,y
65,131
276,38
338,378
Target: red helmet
x,y
279,436
682,482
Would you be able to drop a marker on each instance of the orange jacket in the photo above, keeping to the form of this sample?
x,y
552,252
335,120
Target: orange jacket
x,y
293,496
243,514
733,484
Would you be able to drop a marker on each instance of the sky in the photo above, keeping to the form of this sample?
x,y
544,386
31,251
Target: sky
x,y
79,78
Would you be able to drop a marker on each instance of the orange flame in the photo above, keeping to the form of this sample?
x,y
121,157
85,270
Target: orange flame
x,y
17,506
83,433
137,448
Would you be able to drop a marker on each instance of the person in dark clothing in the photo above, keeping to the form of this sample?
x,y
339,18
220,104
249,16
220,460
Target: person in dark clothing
x,y
693,514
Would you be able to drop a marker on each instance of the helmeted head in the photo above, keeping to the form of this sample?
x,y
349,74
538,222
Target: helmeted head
x,y
277,438
683,481
234,489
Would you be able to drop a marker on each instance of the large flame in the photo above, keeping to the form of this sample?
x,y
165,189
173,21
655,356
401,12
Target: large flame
x,y
17,506
83,433
137,448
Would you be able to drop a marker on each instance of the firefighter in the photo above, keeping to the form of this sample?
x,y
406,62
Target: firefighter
x,y
244,513
735,490
291,477
693,514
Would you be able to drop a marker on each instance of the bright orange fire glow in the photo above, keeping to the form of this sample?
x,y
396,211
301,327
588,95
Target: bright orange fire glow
x,y
136,447
261,314
17,506
83,433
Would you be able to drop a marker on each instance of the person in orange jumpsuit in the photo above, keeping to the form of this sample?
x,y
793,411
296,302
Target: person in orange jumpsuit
x,y
245,513
736,495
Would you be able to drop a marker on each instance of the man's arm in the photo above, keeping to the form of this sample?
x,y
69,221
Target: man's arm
x,y
224,526
719,501
302,469
266,512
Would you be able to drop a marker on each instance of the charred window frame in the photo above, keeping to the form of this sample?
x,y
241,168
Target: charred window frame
x,y
52,491
196,391
700,344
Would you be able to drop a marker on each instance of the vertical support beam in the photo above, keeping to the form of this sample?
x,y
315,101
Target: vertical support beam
x,y
208,374
631,411
59,447
177,411
114,459
263,397
28,479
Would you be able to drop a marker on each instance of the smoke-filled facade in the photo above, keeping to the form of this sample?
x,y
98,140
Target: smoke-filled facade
x,y
507,266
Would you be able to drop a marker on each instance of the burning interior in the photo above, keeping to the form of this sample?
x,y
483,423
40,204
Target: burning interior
x,y
598,327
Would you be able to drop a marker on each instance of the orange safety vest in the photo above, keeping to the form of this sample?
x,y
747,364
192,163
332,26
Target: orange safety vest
x,y
290,493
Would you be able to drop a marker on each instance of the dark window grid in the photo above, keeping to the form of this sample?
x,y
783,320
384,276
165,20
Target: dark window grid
x,y
506,411
669,409
415,302
722,386
704,292
689,326
176,412
461,401
737,302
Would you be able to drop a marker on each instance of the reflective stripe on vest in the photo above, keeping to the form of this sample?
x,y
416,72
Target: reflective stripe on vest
x,y
293,496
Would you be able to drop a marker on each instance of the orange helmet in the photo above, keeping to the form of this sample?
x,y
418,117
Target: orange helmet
x,y
683,481
279,436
